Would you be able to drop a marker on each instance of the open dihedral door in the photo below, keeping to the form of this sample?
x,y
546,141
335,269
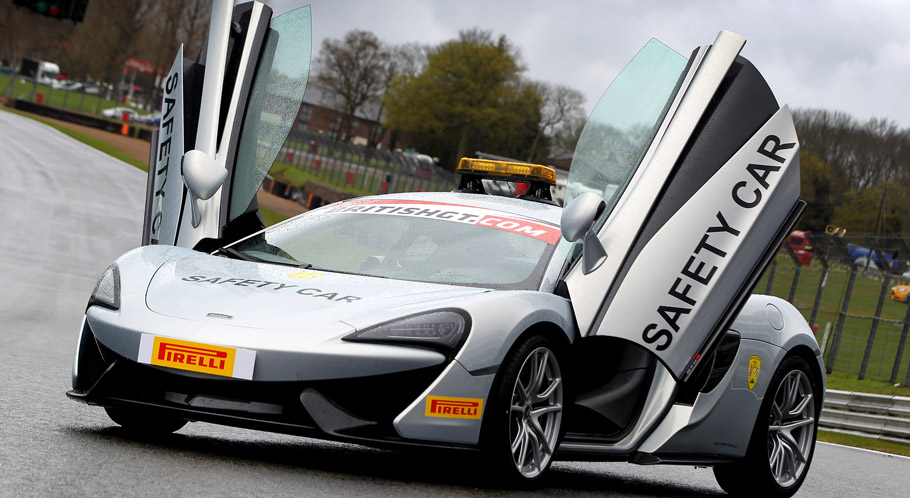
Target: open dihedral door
x,y
224,119
699,169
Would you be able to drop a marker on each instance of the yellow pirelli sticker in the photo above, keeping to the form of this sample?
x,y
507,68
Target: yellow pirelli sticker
x,y
445,407
196,357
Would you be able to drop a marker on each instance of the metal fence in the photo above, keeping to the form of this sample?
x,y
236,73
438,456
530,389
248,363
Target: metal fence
x,y
843,286
20,88
361,170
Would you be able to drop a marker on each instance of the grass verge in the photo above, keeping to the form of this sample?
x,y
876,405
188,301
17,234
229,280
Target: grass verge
x,y
864,442
87,140
846,382
74,101
271,217
291,175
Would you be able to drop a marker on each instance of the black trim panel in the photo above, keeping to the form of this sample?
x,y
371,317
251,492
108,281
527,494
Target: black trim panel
x,y
150,189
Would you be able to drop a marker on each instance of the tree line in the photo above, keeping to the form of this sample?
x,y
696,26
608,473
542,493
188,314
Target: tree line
x,y
854,174
464,95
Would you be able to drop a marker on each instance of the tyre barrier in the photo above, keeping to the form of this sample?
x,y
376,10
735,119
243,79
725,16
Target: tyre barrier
x,y
870,415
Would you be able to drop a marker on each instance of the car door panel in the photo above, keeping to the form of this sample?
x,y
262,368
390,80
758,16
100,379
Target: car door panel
x,y
214,109
635,199
708,198
683,276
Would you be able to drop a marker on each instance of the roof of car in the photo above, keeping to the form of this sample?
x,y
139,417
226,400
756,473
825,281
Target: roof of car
x,y
537,210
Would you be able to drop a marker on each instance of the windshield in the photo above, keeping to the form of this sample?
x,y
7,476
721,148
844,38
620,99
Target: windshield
x,y
413,240
623,124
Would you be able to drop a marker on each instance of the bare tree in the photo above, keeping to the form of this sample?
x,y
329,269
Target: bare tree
x,y
176,22
26,34
195,25
113,31
561,104
351,72
403,61
566,136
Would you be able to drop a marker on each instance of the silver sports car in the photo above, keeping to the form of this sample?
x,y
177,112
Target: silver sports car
x,y
620,327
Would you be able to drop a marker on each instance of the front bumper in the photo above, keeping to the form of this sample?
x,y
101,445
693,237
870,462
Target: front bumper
x,y
362,408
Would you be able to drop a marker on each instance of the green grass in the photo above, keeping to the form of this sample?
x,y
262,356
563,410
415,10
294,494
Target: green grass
x,y
365,183
846,382
292,175
76,101
90,141
864,442
338,154
271,217
863,301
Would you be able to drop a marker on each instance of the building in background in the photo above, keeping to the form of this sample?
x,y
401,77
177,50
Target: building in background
x,y
317,116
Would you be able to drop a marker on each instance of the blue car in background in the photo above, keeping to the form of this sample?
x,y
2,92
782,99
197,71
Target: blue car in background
x,y
860,252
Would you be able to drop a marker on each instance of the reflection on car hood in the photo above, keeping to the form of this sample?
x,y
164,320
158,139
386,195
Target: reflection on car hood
x,y
223,291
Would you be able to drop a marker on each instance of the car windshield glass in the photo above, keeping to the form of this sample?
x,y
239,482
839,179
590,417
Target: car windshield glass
x,y
458,245
623,124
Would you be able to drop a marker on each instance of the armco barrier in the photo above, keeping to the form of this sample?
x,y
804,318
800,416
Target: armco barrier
x,y
872,415
82,119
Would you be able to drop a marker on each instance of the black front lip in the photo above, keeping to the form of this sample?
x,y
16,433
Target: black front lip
x,y
253,423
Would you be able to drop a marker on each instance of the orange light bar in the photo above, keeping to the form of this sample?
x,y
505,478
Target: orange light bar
x,y
488,167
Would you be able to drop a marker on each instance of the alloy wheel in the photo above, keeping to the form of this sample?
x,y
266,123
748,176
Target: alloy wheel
x,y
791,428
535,412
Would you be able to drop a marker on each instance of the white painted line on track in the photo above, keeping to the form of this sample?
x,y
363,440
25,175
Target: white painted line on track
x,y
866,450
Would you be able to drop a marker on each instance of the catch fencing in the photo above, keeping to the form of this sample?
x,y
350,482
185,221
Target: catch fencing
x,y
843,287
357,169
78,100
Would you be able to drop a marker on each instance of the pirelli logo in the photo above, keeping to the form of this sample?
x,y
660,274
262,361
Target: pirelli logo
x,y
196,357
445,407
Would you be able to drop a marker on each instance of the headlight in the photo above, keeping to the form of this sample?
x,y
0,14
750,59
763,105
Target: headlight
x,y
107,290
443,330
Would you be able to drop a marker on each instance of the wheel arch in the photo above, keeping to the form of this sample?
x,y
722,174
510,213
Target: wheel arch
x,y
490,439
815,367
550,330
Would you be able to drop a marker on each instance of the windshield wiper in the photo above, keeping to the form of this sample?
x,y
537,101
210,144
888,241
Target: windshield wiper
x,y
237,254
311,267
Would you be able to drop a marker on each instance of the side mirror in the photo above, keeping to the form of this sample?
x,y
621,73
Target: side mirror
x,y
202,174
578,221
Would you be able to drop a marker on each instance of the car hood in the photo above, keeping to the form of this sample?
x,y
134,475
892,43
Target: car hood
x,y
230,292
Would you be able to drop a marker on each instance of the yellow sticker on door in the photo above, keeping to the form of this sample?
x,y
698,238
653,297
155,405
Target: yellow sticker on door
x,y
754,368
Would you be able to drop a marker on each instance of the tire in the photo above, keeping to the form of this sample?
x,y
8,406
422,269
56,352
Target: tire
x,y
144,423
524,425
783,440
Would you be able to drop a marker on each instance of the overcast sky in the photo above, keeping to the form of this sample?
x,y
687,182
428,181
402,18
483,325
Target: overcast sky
x,y
852,56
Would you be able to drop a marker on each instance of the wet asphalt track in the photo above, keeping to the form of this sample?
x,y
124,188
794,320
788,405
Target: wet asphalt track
x,y
66,212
